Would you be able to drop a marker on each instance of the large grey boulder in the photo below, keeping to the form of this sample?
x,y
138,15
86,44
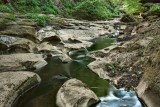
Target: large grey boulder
x,y
148,95
13,84
74,93
18,62
16,44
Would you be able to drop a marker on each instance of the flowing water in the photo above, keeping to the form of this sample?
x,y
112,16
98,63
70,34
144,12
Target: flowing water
x,y
56,73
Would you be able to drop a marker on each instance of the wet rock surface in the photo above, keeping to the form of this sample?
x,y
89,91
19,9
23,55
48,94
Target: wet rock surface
x,y
149,87
13,84
18,62
74,93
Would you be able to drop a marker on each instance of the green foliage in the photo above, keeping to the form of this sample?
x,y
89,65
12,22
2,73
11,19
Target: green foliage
x,y
35,6
94,9
155,8
41,20
129,6
30,6
6,8
83,9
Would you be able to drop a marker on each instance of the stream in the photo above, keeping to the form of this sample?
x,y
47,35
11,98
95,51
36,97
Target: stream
x,y
56,73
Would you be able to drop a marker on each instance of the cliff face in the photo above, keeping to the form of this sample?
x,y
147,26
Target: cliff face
x,y
149,87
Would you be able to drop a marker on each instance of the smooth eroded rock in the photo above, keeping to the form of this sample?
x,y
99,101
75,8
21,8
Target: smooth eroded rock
x,y
17,62
16,44
148,95
20,31
74,93
13,84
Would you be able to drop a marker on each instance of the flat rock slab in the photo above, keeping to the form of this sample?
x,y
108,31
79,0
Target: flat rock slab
x,y
74,93
18,62
13,84
83,35
27,32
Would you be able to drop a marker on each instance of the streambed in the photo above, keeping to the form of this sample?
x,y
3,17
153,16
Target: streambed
x,y
56,73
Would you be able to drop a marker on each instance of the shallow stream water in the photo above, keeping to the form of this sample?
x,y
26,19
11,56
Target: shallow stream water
x,y
56,73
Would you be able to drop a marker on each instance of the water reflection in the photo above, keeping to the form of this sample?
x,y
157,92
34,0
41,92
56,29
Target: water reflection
x,y
54,75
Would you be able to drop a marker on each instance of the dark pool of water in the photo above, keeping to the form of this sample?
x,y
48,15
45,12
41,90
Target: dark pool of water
x,y
54,75
101,43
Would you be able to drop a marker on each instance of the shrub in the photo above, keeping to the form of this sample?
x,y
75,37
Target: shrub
x,y
155,8
94,9
41,20
129,6
6,8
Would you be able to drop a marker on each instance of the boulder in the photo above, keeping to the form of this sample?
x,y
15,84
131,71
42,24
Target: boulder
x,y
13,84
65,58
74,93
48,36
149,87
48,48
20,31
16,44
17,62
147,94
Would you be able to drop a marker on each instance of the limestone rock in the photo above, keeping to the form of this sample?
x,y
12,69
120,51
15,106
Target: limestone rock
x,y
16,44
48,48
84,44
27,22
13,84
74,93
65,34
47,36
149,96
65,58
17,62
20,31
